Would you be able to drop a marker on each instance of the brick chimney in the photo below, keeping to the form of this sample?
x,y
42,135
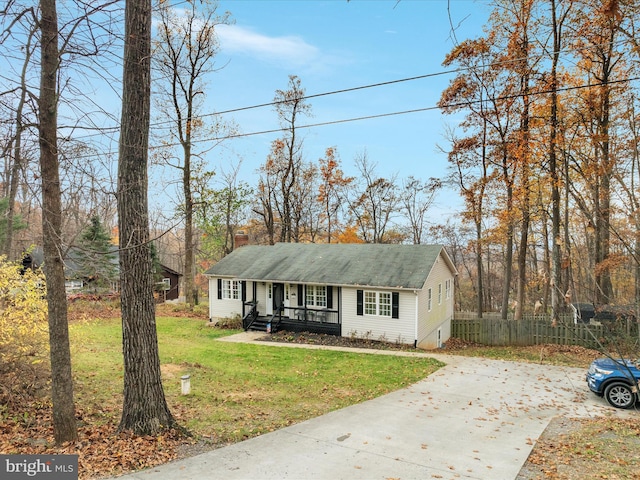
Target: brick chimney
x,y
241,239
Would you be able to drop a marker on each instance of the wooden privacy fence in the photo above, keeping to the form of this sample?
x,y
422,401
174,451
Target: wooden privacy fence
x,y
533,330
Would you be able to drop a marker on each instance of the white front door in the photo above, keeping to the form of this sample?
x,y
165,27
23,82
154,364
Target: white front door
x,y
269,300
287,289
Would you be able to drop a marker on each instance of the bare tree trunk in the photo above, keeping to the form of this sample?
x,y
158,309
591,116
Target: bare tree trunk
x,y
508,256
546,256
64,422
636,253
189,256
145,410
556,261
480,271
478,213
525,193
16,167
184,52
522,251
604,287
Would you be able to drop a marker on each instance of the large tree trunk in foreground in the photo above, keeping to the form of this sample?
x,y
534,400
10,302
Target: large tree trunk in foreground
x,y
145,409
64,421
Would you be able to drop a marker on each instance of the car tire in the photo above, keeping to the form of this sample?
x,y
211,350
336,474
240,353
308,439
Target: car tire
x,y
620,395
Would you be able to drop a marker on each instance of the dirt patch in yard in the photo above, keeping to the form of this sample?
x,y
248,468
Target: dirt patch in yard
x,y
171,370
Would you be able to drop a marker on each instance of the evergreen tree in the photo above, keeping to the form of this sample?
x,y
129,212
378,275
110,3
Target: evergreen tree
x,y
97,263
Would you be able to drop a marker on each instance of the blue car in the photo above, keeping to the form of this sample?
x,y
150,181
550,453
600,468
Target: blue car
x,y
616,380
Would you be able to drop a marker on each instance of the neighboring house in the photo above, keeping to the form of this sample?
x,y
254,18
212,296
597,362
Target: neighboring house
x,y
169,283
588,313
91,272
167,280
396,293
582,312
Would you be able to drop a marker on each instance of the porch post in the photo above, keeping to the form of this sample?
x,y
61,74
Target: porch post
x,y
417,317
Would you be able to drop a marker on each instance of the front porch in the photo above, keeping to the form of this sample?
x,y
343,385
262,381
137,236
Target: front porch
x,y
294,319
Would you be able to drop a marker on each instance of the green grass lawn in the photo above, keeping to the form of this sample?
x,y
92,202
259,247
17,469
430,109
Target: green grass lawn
x,y
237,390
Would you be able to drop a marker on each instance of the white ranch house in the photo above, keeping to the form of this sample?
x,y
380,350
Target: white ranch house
x,y
396,293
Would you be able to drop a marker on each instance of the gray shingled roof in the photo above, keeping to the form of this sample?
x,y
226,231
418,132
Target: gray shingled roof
x,y
373,265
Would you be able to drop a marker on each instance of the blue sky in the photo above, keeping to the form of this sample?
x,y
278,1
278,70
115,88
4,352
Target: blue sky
x,y
333,45
330,45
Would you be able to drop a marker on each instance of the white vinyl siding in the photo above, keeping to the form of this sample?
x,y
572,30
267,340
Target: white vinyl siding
x,y
433,315
223,308
376,327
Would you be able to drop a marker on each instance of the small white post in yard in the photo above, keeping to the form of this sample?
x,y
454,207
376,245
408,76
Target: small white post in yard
x,y
186,384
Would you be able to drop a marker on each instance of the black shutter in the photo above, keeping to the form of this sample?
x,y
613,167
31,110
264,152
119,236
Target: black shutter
x,y
329,296
219,288
360,303
300,295
243,293
395,307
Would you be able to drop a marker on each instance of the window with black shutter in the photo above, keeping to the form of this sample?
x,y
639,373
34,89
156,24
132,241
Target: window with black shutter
x,y
395,305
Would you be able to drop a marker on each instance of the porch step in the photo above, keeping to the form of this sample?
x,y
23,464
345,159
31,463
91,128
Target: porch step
x,y
259,325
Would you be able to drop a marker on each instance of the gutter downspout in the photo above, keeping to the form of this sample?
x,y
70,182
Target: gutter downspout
x,y
211,289
415,341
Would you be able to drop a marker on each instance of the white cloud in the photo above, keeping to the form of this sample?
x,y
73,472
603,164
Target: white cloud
x,y
287,50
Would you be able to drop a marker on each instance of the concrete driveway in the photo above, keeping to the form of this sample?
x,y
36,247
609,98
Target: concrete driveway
x,y
473,419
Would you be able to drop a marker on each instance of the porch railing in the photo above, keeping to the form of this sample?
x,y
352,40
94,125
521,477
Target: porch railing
x,y
312,315
276,318
251,315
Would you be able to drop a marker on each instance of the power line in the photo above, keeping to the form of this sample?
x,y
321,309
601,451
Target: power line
x,y
340,91
416,110
114,129
389,114
306,97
